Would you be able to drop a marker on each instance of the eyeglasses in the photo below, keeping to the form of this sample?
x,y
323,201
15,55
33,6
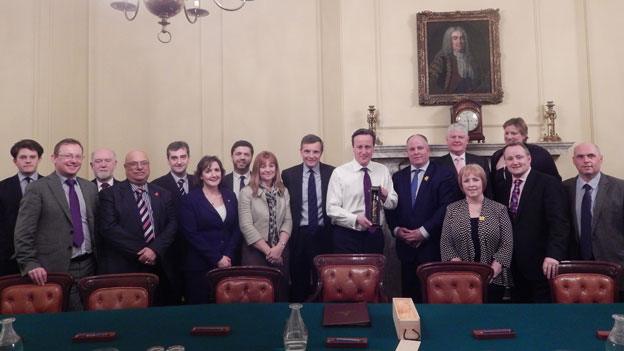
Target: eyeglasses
x,y
70,157
136,164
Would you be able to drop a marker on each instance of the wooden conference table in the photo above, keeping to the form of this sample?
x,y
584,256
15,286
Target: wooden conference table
x,y
260,327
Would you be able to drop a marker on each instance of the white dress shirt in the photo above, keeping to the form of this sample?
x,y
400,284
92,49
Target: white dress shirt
x,y
236,181
345,194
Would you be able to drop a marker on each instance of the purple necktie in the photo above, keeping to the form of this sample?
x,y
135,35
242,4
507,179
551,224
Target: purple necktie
x,y
74,209
515,197
367,193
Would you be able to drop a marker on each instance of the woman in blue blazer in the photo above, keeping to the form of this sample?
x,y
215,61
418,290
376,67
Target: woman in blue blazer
x,y
209,223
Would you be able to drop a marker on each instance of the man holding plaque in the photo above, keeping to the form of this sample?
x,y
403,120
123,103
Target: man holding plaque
x,y
424,189
356,193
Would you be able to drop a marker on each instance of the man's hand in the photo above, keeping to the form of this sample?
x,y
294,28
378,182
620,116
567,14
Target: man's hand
x,y
147,256
224,262
410,236
38,275
363,222
383,194
549,267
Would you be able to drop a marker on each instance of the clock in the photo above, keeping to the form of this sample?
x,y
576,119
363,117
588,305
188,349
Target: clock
x,y
468,113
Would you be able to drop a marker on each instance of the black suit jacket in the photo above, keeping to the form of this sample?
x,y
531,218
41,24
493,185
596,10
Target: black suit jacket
x,y
10,196
228,181
437,190
120,232
168,182
541,227
293,180
447,161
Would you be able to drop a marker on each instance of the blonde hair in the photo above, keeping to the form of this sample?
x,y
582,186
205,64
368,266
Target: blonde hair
x,y
472,169
254,182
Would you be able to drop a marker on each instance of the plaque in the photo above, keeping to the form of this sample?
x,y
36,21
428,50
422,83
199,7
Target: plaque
x,y
375,206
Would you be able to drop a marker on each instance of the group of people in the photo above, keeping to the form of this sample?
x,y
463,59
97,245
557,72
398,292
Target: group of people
x,y
515,214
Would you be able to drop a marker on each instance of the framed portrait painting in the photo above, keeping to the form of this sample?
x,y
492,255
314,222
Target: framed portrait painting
x,y
458,57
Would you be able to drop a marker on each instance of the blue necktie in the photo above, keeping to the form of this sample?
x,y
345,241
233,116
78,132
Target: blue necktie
x,y
74,209
586,219
312,202
414,185
241,185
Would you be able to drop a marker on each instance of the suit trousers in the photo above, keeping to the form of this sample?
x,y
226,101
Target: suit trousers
x,y
8,266
305,244
529,291
251,256
349,241
79,269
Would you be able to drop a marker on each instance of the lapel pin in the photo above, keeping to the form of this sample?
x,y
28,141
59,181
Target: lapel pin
x,y
157,194
482,218
426,178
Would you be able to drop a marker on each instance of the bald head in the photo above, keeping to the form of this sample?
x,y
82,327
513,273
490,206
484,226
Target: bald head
x,y
103,163
417,150
137,167
587,160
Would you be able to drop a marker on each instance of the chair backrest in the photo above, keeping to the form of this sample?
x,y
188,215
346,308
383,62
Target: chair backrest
x,y
454,282
349,278
20,295
245,284
118,291
586,282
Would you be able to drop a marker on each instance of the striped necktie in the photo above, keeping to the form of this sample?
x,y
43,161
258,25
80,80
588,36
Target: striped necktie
x,y
181,187
146,222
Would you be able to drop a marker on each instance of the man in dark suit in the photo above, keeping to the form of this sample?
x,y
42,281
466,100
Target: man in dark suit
x,y
516,131
424,189
457,158
55,225
179,182
103,164
596,205
136,225
311,234
536,203
26,156
242,153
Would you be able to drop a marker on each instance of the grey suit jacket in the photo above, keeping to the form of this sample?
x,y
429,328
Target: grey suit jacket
x,y
43,231
253,215
607,219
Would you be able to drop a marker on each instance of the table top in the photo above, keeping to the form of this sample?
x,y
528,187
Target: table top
x,y
260,327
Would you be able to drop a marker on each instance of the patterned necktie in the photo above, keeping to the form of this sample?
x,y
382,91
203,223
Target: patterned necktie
x,y
458,164
312,201
24,186
515,197
74,209
181,187
586,219
367,184
28,180
414,185
146,222
242,183
104,186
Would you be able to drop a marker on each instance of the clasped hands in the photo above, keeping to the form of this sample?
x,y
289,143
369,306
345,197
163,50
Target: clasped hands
x,y
413,237
274,255
147,256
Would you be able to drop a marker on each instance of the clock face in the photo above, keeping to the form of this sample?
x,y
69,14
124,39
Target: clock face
x,y
469,119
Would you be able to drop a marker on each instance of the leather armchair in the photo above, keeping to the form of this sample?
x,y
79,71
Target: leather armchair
x,y
244,284
454,282
349,278
118,291
586,282
20,295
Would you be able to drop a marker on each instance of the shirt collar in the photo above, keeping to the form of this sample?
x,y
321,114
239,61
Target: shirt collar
x,y
316,169
423,168
21,176
593,182
462,156
524,176
176,178
135,187
246,175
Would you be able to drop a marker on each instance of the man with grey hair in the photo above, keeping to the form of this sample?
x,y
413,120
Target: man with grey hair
x,y
596,203
454,69
103,163
457,158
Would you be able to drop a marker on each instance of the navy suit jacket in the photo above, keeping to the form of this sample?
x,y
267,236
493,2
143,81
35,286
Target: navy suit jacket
x,y
120,231
540,227
208,237
437,189
293,180
10,196
447,161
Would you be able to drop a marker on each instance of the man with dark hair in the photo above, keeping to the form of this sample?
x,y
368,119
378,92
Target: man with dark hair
x,y
137,224
26,156
349,202
242,153
55,226
516,131
537,208
178,182
311,234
